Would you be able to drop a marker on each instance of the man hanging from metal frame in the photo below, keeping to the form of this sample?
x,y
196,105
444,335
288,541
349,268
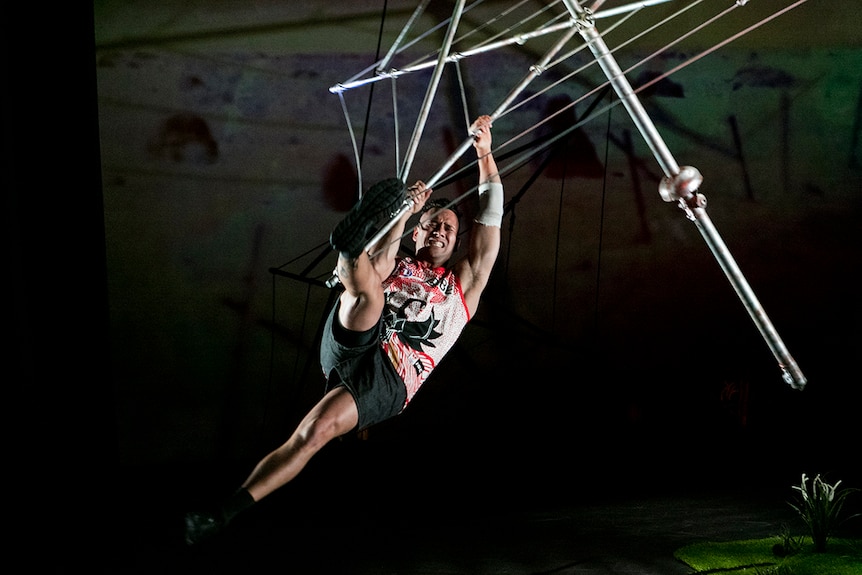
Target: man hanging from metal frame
x,y
391,326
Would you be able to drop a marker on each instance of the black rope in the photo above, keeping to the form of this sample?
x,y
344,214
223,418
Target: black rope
x,y
565,149
300,256
371,90
324,248
601,227
513,203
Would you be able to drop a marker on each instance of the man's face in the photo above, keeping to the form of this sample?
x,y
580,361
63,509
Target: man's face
x,y
436,236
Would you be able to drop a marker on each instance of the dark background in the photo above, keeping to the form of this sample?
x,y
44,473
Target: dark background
x,y
160,356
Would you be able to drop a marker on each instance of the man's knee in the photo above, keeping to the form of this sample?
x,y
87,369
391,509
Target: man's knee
x,y
360,313
337,416
315,432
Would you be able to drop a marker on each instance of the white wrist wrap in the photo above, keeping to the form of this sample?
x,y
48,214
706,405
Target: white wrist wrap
x,y
490,204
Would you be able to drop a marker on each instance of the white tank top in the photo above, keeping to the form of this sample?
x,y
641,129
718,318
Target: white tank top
x,y
424,315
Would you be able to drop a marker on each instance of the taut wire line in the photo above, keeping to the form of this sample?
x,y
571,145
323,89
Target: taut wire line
x,y
602,227
593,62
557,246
721,44
355,146
682,65
580,48
431,91
396,125
697,28
357,151
463,93
512,27
493,38
393,49
509,167
567,77
584,67
609,106
643,61
302,255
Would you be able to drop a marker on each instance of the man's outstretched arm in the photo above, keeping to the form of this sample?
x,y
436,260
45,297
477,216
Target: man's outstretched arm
x,y
484,243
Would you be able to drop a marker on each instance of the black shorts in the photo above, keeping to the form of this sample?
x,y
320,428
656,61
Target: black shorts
x,y
365,371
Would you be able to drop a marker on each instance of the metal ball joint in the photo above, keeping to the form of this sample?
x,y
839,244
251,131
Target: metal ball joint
x,y
683,185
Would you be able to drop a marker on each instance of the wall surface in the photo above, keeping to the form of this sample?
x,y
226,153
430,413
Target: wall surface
x,y
226,161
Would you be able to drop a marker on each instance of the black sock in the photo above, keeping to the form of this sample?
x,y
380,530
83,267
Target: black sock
x,y
239,501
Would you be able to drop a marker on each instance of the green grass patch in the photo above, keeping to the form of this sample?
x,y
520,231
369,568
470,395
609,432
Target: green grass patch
x,y
755,557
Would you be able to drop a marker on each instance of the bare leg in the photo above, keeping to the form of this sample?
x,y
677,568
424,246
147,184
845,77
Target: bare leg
x,y
334,415
362,300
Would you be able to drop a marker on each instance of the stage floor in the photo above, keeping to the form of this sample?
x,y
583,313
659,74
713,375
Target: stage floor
x,y
365,508
612,535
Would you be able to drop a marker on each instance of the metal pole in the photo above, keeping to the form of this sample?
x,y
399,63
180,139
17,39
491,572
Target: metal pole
x,y
397,44
431,91
395,73
681,185
624,90
534,72
790,370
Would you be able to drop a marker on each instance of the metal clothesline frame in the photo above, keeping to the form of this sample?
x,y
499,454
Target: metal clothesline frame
x,y
680,183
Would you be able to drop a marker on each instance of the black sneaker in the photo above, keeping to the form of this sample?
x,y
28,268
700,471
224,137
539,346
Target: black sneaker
x,y
383,199
201,526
